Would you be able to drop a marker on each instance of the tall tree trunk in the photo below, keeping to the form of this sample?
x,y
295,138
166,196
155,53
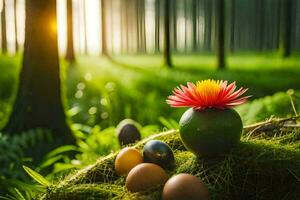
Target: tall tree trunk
x,y
220,18
167,39
3,28
70,46
85,27
138,24
16,26
121,27
140,10
38,103
286,26
143,27
103,28
207,25
127,23
195,21
185,25
260,20
174,10
157,25
232,27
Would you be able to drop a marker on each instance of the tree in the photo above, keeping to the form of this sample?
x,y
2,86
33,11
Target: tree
x,y
260,18
103,28
141,32
3,28
207,24
38,103
174,23
84,24
232,27
286,26
16,25
220,18
167,39
195,21
157,26
70,45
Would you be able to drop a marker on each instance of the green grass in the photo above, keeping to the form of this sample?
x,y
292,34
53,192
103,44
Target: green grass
x,y
103,92
142,83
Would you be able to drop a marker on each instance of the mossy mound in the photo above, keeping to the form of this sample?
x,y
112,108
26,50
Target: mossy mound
x,y
264,166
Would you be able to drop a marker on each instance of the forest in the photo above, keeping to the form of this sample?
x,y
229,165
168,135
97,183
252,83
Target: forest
x,y
150,99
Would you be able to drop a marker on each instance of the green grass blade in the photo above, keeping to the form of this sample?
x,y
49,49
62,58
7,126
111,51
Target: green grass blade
x,y
6,198
61,149
36,176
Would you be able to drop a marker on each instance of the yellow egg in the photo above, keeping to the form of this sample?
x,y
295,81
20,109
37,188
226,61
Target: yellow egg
x,y
145,176
127,159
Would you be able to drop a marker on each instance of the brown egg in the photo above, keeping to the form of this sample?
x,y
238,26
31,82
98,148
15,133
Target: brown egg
x,y
185,186
145,176
128,132
127,159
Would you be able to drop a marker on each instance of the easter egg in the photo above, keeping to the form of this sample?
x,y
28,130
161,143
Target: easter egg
x,y
127,132
210,132
145,176
185,186
127,159
159,153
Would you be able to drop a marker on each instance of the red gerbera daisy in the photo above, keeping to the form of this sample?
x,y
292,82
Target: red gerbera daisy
x,y
207,94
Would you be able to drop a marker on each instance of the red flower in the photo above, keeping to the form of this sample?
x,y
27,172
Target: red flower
x,y
207,94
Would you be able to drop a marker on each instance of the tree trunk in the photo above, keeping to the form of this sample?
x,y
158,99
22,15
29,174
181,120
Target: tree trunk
x,y
16,26
207,25
70,47
140,10
143,27
232,27
220,18
167,39
174,4
85,27
38,103
195,22
103,28
127,22
3,28
260,23
157,25
286,26
185,25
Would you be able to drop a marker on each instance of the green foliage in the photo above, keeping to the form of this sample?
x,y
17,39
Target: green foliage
x,y
278,105
92,143
137,87
37,177
13,152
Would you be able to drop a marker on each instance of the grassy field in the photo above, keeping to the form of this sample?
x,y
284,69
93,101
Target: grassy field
x,y
103,92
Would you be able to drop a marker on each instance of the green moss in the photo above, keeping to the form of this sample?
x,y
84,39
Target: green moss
x,y
259,168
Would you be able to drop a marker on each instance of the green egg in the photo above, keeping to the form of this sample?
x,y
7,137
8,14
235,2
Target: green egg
x,y
210,132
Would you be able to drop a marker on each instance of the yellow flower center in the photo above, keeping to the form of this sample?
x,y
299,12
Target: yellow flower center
x,y
208,88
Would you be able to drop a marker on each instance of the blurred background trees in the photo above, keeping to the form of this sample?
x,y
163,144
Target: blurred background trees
x,y
149,27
